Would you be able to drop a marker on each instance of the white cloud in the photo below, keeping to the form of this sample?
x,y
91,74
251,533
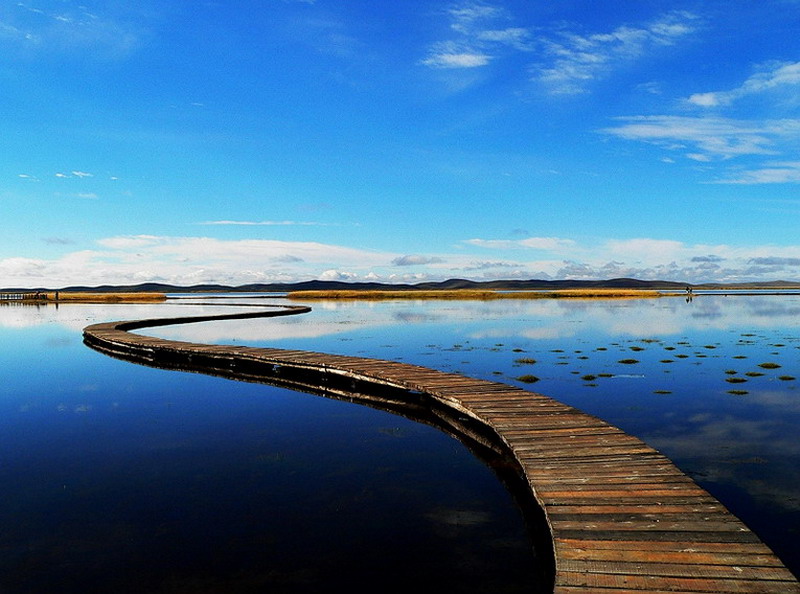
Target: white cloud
x,y
451,55
653,88
705,99
517,37
568,61
82,174
135,242
337,275
649,251
196,248
556,244
715,137
478,43
577,60
773,76
652,259
771,173
718,138
193,260
465,16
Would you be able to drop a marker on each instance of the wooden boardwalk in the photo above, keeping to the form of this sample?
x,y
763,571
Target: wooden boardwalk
x,y
621,516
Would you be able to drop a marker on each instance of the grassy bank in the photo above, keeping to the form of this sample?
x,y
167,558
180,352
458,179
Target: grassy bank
x,y
478,295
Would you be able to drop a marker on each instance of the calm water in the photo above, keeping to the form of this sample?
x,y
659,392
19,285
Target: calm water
x,y
697,391
121,478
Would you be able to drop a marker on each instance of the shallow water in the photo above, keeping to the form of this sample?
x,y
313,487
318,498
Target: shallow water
x,y
122,478
697,390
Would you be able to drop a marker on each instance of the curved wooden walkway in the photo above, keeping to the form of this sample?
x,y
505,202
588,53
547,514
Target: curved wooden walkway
x,y
622,517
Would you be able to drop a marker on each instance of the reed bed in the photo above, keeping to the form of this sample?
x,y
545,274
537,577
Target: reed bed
x,y
86,297
457,294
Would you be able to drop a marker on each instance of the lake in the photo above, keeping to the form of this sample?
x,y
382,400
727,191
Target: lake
x,y
120,478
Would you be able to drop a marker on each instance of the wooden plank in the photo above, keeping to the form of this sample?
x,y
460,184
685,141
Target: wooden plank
x,y
591,544
626,523
638,555
599,582
653,508
694,570
687,538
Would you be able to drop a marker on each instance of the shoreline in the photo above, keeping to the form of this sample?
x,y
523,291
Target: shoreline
x,y
459,294
42,297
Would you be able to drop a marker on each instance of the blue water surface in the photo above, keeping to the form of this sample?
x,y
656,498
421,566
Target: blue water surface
x,y
122,478
695,386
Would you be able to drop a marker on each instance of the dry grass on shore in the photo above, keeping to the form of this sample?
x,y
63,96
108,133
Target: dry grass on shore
x,y
86,297
476,294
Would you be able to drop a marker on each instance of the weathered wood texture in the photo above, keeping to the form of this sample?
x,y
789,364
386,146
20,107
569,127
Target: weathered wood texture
x,y
622,517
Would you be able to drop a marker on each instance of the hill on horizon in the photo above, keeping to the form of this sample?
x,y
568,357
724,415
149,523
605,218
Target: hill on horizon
x,y
450,284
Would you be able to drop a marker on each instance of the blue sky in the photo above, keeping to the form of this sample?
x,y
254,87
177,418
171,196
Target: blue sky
x,y
281,140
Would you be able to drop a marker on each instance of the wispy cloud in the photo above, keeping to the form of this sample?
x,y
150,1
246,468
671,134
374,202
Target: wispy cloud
x,y
567,62
771,173
517,37
536,243
416,260
451,54
709,137
58,241
575,60
771,77
267,223
326,33
492,265
478,41
717,138
69,26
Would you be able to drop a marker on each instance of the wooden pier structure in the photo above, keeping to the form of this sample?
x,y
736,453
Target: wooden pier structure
x,y
26,296
621,516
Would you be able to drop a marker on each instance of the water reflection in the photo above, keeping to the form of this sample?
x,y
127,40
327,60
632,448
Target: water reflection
x,y
696,390
694,386
538,319
121,478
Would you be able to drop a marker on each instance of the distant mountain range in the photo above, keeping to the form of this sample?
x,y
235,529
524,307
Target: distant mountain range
x,y
507,285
